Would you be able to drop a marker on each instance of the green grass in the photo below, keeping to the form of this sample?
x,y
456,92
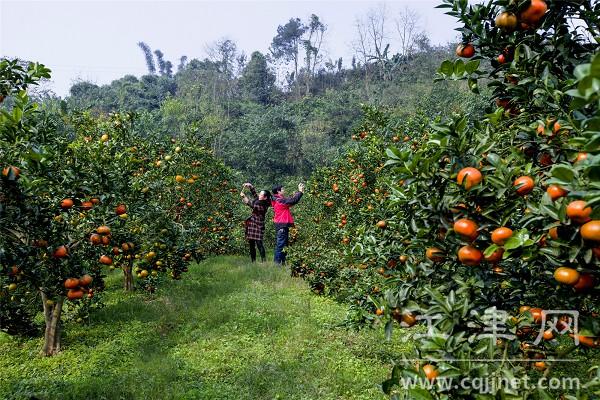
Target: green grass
x,y
228,330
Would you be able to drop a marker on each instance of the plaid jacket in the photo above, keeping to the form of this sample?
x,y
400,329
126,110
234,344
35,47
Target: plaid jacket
x,y
255,223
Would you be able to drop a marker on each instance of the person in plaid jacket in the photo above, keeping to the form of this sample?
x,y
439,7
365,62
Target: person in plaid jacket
x,y
255,224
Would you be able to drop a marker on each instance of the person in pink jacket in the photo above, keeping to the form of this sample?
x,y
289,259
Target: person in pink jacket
x,y
283,218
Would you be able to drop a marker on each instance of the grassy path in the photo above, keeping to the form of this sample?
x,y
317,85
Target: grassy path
x,y
228,330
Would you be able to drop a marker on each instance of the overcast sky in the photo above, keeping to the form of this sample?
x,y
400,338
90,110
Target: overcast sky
x,y
97,40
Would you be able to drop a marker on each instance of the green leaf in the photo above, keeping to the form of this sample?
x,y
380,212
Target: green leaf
x,y
490,250
446,68
472,66
563,173
420,394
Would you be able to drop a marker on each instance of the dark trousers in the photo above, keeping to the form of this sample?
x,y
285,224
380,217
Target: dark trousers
x,y
261,249
282,237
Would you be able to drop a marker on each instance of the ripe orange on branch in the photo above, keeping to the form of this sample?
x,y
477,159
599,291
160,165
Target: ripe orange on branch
x,y
61,252
534,13
579,211
71,283
524,185
65,204
591,230
434,254
121,209
585,282
496,256
501,235
555,192
430,372
466,228
469,255
566,275
469,176
506,21
106,260
465,50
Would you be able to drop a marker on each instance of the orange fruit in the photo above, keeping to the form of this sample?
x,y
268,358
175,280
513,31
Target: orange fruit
x,y
430,372
470,176
566,275
496,256
534,13
103,230
85,280
434,254
585,282
540,365
524,185
379,311
589,341
523,309
381,224
95,201
409,319
106,260
66,204
501,235
470,255
506,21
548,334
581,157
556,192
121,209
591,230
87,205
11,170
71,283
466,228
95,239
536,313
73,294
61,252
556,127
465,50
578,211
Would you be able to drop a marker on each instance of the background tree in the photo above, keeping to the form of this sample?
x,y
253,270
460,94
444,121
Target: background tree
x,y
149,57
257,81
286,44
312,45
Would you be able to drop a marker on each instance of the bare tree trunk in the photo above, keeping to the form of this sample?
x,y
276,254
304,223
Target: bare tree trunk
x,y
128,275
52,313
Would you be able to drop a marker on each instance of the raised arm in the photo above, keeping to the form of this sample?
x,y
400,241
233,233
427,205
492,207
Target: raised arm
x,y
290,201
252,190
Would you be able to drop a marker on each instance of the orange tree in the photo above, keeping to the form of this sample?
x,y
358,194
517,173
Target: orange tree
x,y
343,204
495,219
79,194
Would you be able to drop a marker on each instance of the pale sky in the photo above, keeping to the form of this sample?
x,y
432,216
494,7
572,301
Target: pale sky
x,y
97,40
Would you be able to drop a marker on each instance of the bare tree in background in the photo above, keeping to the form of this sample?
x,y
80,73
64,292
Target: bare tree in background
x,y
369,45
223,52
410,32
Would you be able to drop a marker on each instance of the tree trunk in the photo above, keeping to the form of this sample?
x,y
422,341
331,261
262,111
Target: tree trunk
x,y
52,313
128,274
